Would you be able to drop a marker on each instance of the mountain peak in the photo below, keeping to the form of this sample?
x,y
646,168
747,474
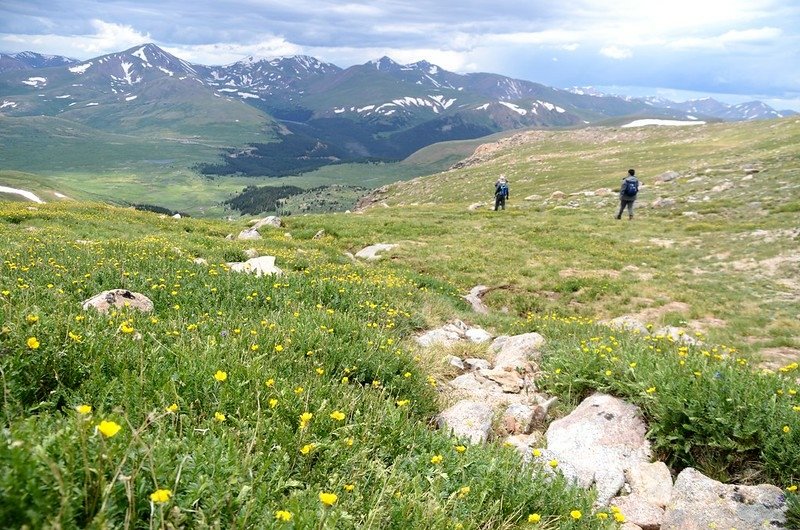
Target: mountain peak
x,y
385,64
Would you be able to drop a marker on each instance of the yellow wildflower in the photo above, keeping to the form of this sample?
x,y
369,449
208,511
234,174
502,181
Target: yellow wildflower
x,y
460,448
537,452
402,402
305,418
108,428
349,487
160,496
172,408
348,442
32,319
618,517
328,499
602,516
84,409
651,390
298,390
273,403
307,448
220,375
786,429
278,347
283,515
575,514
270,383
463,491
337,415
437,459
32,343
534,518
792,488
126,327
220,417
345,380
553,463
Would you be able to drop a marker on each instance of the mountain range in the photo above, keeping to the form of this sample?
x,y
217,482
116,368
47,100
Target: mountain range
x,y
309,113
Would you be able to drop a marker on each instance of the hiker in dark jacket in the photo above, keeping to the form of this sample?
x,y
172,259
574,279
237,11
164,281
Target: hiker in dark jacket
x,y
500,193
627,194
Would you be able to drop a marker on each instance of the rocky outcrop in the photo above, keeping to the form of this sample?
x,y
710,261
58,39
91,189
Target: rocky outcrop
x,y
468,420
372,252
263,265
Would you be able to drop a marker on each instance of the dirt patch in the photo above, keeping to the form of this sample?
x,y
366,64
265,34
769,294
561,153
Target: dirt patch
x,y
577,273
774,358
653,314
702,325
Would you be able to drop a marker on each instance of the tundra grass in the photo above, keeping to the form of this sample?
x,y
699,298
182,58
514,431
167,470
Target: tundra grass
x,y
286,402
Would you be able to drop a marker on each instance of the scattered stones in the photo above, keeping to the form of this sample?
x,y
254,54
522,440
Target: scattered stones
x,y
533,198
700,502
663,203
200,261
470,420
725,186
372,252
451,333
601,438
676,334
518,418
119,299
264,265
509,380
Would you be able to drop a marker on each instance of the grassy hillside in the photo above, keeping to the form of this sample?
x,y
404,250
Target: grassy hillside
x,y
722,259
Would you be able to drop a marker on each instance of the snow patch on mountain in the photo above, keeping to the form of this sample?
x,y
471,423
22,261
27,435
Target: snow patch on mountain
x,y
65,96
80,69
7,103
27,194
671,123
35,81
515,108
131,98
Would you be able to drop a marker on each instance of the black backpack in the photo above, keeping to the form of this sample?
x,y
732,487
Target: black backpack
x,y
631,188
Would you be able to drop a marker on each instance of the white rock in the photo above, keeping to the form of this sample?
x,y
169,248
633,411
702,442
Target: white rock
x,y
651,481
264,265
470,420
478,335
372,252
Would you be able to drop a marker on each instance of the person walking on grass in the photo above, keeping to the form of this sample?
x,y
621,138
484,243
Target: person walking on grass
x,y
627,194
500,193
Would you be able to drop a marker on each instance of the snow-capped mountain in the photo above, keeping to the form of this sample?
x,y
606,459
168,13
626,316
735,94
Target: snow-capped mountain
x,y
31,60
380,109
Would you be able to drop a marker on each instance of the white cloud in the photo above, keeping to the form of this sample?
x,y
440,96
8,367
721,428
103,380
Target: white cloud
x,y
729,38
615,52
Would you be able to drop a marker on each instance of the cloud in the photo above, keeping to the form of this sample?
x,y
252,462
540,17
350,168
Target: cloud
x,y
615,52
765,35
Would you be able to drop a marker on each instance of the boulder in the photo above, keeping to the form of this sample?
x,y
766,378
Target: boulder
x,y
320,234
601,438
651,481
264,265
474,299
251,253
372,252
516,352
676,334
667,176
699,502
470,420
509,380
518,418
271,221
478,335
477,364
119,299
663,202
627,323
249,234
639,511
557,195
437,336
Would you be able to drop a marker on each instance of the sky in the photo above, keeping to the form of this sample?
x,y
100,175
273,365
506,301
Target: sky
x,y
732,50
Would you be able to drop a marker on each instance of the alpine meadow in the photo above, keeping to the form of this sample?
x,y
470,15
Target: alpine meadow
x,y
367,344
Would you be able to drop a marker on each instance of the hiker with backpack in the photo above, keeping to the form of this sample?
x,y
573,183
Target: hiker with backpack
x,y
627,194
500,193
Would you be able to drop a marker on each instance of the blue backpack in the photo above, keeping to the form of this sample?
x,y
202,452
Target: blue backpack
x,y
502,190
631,188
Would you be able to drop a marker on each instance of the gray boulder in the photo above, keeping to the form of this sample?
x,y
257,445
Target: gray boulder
x,y
474,299
263,265
249,234
118,299
627,323
470,420
516,352
699,502
601,438
271,221
667,176
639,511
651,481
372,252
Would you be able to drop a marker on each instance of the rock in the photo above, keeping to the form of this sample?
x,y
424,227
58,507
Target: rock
x,y
474,299
200,261
477,364
750,169
602,192
639,511
437,336
532,198
476,386
251,253
118,298
667,176
545,460
630,526
677,335
371,253
478,335
467,419
725,186
474,206
663,203
517,351
287,235
699,502
557,195
455,362
518,418
176,216
249,234
542,408
601,438
651,481
509,380
320,234
627,323
264,265
271,221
